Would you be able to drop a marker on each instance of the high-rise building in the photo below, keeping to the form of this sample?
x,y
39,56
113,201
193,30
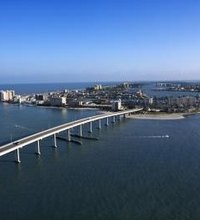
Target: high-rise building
x,y
117,105
7,95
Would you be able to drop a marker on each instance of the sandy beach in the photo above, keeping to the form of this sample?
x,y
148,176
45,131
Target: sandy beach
x,y
159,116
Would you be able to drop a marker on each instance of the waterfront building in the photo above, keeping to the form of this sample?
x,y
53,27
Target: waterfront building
x,y
41,97
98,87
184,100
7,95
57,101
124,85
17,99
117,105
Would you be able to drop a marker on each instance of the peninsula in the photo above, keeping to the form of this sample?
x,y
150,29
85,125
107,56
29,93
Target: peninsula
x,y
117,97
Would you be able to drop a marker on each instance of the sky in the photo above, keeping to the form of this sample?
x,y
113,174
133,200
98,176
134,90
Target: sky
x,y
99,40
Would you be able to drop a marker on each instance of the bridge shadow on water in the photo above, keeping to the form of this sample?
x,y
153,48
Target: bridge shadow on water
x,y
8,161
47,147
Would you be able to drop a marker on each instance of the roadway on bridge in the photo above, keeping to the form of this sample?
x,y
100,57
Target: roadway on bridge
x,y
46,133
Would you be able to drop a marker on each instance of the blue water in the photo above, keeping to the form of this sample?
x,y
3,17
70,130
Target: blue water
x,y
134,171
24,89
48,87
18,120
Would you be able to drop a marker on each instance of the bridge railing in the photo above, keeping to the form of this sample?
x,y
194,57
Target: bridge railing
x,y
57,129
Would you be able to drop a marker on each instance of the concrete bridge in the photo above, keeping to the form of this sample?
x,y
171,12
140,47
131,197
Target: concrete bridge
x,y
16,145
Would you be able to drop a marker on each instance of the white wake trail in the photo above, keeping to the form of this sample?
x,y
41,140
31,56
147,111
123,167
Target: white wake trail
x,y
22,127
154,136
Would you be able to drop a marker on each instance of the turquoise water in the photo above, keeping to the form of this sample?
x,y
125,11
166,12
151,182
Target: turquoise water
x,y
134,171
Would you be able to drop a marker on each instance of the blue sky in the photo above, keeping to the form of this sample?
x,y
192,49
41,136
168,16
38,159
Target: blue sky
x,y
99,40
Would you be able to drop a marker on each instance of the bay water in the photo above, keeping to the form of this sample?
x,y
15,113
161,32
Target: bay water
x,y
138,169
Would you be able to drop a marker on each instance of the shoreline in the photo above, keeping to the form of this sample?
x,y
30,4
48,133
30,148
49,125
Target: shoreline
x,y
160,116
147,116
52,107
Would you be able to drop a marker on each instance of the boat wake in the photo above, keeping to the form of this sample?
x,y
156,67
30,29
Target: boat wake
x,y
154,136
22,127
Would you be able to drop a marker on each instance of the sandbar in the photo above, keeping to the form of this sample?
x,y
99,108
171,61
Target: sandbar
x,y
159,116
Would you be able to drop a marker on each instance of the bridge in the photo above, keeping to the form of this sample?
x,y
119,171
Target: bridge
x,y
37,137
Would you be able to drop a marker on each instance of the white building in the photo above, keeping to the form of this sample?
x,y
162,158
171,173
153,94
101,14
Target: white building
x,y
17,99
58,101
117,105
7,95
98,87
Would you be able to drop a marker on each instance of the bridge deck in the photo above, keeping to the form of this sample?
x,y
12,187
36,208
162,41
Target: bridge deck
x,y
46,133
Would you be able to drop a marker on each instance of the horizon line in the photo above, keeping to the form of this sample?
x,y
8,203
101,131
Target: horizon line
x,y
96,82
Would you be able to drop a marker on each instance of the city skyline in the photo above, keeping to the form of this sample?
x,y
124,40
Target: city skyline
x,y
77,41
